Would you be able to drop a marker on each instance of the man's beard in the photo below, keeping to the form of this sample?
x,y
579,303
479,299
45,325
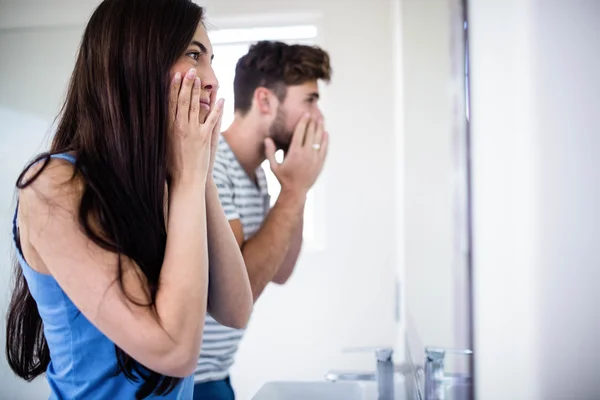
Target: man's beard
x,y
278,132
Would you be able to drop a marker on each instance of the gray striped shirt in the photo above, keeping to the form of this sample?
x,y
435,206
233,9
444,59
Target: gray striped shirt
x,y
241,199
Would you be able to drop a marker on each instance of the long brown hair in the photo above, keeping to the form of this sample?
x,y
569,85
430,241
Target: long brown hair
x,y
115,119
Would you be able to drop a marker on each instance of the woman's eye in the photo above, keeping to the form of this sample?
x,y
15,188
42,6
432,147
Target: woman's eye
x,y
194,54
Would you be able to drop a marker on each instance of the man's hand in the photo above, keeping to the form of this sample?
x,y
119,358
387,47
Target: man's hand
x,y
305,158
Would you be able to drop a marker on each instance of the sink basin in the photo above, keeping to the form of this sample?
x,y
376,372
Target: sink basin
x,y
310,390
323,390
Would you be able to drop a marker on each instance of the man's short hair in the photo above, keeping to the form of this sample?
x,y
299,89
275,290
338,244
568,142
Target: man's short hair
x,y
275,66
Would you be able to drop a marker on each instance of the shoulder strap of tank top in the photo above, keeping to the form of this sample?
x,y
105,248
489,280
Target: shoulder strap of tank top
x,y
63,156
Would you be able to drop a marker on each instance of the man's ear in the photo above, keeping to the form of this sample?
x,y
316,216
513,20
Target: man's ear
x,y
265,101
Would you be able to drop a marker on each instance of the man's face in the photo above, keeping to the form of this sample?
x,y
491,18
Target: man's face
x,y
299,100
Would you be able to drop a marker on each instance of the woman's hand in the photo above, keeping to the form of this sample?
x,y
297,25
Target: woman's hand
x,y
191,140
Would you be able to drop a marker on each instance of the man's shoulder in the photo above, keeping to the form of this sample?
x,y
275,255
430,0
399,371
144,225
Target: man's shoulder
x,y
226,166
224,158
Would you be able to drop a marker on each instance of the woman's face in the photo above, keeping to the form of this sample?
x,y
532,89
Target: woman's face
x,y
199,55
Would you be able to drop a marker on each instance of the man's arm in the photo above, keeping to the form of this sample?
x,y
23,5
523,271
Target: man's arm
x,y
289,263
265,253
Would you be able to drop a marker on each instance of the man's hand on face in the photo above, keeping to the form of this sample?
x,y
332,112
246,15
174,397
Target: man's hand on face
x,y
305,157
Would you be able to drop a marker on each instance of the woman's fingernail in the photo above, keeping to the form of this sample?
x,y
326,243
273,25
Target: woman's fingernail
x,y
178,77
191,73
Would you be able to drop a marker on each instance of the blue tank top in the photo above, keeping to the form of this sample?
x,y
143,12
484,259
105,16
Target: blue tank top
x,y
83,362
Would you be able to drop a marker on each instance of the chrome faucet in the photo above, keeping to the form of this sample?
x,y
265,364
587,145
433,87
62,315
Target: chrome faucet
x,y
437,381
384,375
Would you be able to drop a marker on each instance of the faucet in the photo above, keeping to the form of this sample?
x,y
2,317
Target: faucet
x,y
437,380
384,375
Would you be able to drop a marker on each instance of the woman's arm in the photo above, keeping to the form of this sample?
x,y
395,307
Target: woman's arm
x,y
229,294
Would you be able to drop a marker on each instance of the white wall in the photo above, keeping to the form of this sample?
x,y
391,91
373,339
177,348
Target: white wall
x,y
535,102
340,297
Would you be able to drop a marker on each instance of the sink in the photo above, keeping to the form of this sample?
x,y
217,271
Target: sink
x,y
310,390
323,390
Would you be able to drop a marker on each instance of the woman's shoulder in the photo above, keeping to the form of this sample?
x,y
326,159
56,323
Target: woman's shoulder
x,y
50,179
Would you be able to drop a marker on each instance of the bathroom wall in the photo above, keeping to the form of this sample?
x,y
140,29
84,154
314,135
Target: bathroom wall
x,y
536,139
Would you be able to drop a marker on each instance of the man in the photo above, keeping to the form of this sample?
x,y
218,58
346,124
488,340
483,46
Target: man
x,y
276,108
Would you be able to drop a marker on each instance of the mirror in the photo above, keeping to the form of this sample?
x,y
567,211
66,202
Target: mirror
x,y
386,243
436,191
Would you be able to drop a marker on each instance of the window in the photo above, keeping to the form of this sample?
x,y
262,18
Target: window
x,y
228,46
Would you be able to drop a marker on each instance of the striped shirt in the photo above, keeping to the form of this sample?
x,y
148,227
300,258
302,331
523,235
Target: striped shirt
x,y
241,199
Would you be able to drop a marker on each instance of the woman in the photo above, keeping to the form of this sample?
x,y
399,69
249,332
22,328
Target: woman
x,y
116,224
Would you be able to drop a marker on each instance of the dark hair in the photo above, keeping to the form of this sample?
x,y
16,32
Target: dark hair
x,y
115,119
275,66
